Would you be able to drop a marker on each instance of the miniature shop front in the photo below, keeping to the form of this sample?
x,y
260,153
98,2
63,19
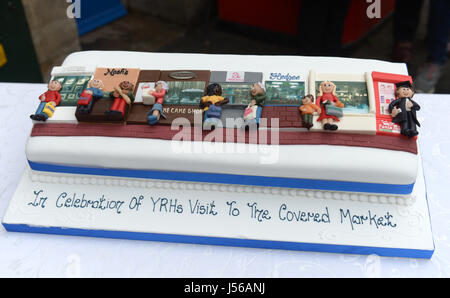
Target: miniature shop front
x,y
145,103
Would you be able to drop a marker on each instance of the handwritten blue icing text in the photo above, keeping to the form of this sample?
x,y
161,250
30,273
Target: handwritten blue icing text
x,y
303,216
370,218
65,200
283,77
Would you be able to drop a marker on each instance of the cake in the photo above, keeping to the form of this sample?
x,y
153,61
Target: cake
x,y
314,131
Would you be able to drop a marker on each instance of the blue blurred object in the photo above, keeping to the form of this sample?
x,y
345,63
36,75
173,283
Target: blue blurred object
x,y
95,13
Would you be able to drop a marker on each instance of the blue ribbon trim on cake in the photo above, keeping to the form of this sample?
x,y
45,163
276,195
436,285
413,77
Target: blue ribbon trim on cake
x,y
330,185
268,244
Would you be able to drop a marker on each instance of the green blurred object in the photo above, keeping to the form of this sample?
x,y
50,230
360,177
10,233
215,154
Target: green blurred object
x,y
72,87
22,64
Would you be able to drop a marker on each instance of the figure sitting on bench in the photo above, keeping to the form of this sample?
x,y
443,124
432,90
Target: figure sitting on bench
x,y
122,96
49,100
89,96
157,112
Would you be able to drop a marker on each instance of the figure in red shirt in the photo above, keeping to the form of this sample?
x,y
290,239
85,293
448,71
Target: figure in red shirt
x,y
330,106
49,100
157,112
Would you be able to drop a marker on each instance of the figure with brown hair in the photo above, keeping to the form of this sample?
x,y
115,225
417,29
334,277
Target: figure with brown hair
x,y
49,100
122,95
257,99
307,109
330,105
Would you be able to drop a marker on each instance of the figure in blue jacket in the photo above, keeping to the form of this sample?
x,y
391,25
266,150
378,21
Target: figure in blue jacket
x,y
89,95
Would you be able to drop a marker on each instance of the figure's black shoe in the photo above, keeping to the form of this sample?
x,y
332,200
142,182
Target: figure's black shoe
x,y
327,126
333,127
412,133
38,117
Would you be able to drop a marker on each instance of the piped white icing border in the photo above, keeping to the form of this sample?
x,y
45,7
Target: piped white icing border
x,y
74,179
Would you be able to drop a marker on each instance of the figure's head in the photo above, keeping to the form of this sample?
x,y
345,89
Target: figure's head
x,y
213,89
95,84
258,88
307,99
161,85
54,85
327,87
126,86
404,89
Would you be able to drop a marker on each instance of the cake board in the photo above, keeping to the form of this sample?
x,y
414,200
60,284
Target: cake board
x,y
220,214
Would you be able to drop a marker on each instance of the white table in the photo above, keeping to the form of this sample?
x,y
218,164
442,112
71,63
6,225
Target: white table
x,y
41,255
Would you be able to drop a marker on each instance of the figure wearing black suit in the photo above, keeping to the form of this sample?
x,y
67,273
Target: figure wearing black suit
x,y
406,119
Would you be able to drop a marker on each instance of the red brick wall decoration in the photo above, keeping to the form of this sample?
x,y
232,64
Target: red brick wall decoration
x,y
399,143
288,116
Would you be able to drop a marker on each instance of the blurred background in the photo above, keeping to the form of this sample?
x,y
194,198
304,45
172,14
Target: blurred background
x,y
36,35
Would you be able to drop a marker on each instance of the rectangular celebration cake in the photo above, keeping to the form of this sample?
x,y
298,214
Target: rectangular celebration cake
x,y
300,129
359,157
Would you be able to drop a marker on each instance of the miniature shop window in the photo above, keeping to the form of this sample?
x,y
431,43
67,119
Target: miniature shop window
x,y
386,92
237,93
72,87
281,93
353,95
354,90
184,93
236,86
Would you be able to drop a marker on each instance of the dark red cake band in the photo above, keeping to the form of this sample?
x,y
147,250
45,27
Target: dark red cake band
x,y
398,143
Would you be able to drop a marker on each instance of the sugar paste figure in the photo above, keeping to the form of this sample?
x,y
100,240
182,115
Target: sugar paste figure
x,y
307,110
403,109
330,106
89,95
49,100
257,99
212,104
122,95
158,94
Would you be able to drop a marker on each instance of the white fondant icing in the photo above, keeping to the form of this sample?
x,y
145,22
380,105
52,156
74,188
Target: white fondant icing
x,y
392,226
259,63
323,162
